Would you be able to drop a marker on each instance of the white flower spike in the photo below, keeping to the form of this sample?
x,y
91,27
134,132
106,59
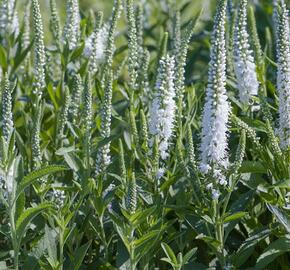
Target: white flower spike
x,y
283,73
163,107
244,65
216,111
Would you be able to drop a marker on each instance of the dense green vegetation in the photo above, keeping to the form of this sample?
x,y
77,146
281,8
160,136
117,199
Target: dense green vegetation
x,y
148,135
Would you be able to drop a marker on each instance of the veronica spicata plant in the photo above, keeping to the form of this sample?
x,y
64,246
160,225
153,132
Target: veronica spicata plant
x,y
71,29
214,145
163,107
9,23
244,65
283,83
39,53
100,125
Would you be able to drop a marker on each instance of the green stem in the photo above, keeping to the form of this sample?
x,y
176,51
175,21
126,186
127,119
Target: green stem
x,y
15,245
132,251
15,242
219,232
103,236
16,253
61,244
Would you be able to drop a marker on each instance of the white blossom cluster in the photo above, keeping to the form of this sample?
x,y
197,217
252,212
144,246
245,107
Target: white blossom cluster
x,y
283,74
77,90
7,117
26,27
163,107
134,49
71,29
101,43
9,23
103,155
58,196
244,64
216,111
39,51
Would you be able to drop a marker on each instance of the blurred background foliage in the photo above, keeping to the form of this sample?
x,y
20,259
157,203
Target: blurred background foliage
x,y
196,78
158,22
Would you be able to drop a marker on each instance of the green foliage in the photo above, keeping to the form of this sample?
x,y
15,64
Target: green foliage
x,y
83,184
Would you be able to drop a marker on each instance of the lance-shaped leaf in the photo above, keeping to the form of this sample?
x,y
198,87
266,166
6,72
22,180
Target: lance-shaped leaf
x,y
27,216
35,175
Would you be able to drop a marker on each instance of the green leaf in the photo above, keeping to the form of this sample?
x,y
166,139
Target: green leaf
x,y
282,184
252,167
79,256
37,174
274,250
188,256
282,215
20,204
27,216
169,253
71,161
3,266
140,216
127,138
235,216
3,58
63,150
51,93
20,57
77,52
248,246
50,244
148,236
212,242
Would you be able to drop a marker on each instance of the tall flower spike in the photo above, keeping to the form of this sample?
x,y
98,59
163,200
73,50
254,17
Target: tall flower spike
x,y
88,115
216,110
133,127
26,34
63,116
122,164
143,74
110,47
181,55
8,18
140,25
54,24
190,150
177,33
97,49
240,153
131,196
35,138
71,29
144,130
163,107
255,37
283,74
7,109
244,64
26,26
103,156
39,52
97,44
76,97
133,45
